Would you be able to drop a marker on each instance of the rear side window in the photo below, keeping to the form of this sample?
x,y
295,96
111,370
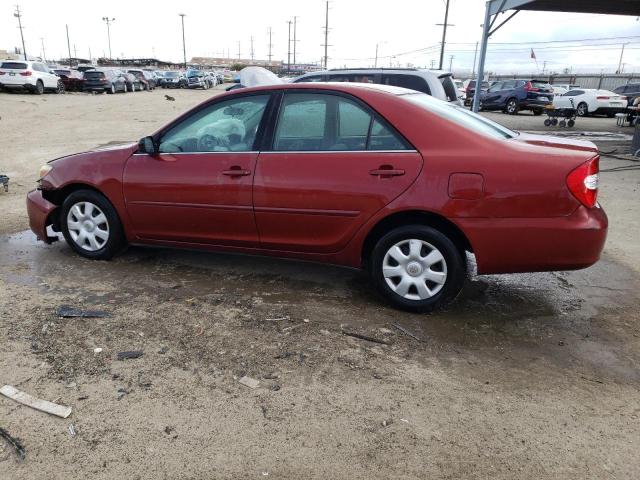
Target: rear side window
x,y
413,82
509,84
449,88
352,77
573,93
324,122
93,75
14,65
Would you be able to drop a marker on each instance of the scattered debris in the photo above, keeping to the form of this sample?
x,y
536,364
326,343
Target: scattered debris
x,y
14,442
42,405
275,387
404,420
72,430
277,319
83,397
163,350
271,376
4,181
325,332
169,98
122,392
249,382
130,354
169,429
386,423
407,332
292,327
594,380
65,311
97,350
365,337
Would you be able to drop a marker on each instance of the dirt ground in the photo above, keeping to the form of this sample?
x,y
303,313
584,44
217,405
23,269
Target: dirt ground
x,y
523,376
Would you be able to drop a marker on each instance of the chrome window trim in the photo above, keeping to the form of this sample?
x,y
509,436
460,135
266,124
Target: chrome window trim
x,y
284,151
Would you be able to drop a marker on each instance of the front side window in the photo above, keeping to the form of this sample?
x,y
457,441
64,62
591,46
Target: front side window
x,y
227,126
313,78
496,87
323,122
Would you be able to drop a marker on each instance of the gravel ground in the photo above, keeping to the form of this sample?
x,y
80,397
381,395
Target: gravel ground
x,y
523,376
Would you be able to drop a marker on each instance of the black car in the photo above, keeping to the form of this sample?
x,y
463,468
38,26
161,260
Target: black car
x,y
107,80
511,96
630,90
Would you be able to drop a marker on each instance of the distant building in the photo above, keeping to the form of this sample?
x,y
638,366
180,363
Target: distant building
x,y
220,62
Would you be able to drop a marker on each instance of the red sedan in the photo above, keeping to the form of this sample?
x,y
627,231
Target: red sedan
x,y
364,176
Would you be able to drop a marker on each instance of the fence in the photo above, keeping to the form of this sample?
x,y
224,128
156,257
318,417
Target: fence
x,y
604,82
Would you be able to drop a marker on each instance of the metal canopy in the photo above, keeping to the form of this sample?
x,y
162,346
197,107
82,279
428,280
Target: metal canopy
x,y
495,7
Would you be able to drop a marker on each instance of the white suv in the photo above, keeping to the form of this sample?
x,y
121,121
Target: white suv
x,y
32,76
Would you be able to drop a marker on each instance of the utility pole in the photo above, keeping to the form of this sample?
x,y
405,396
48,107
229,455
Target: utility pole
x,y
621,55
251,51
270,45
326,33
69,47
295,39
108,21
433,64
75,51
444,32
451,57
238,49
375,64
289,48
44,54
18,15
475,55
544,66
184,43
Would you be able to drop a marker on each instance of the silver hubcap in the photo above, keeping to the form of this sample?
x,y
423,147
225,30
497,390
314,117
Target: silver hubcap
x,y
414,269
88,226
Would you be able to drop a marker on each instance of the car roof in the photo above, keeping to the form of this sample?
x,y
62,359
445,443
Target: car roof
x,y
333,86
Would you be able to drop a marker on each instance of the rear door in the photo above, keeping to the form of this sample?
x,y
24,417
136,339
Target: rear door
x,y
492,96
330,165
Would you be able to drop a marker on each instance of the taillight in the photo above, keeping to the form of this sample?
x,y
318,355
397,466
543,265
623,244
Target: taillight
x,y
602,98
530,88
28,73
583,182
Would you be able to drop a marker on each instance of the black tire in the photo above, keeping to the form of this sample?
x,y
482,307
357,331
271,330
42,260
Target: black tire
x,y
453,262
582,110
60,87
39,88
554,122
511,107
571,123
115,242
111,90
563,123
547,122
537,112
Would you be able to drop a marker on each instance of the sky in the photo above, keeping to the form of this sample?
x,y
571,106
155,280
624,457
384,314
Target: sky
x,y
405,32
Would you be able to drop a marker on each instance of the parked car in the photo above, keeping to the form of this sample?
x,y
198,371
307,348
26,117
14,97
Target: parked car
x,y
375,177
72,79
560,88
630,90
470,90
159,77
171,79
425,81
511,96
212,79
196,79
588,101
132,82
84,67
102,80
145,82
33,77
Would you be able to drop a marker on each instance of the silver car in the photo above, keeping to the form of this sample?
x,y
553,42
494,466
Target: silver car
x,y
431,82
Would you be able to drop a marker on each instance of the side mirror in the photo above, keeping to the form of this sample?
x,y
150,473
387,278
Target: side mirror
x,y
148,145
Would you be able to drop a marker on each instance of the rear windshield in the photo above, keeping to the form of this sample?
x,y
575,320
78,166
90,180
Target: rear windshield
x,y
171,74
460,116
93,74
449,88
62,72
14,65
536,84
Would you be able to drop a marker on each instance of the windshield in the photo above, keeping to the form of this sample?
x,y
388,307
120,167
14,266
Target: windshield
x,y
171,74
460,116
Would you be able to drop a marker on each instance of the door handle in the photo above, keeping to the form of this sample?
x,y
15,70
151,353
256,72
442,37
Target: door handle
x,y
386,171
236,171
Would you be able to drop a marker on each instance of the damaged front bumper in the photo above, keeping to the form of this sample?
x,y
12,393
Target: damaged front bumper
x,y
41,215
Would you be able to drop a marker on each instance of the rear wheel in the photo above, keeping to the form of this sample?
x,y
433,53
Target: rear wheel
x,y
112,89
91,226
39,89
582,110
417,268
60,87
511,107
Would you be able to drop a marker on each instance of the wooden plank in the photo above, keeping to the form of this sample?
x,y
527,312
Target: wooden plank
x,y
42,405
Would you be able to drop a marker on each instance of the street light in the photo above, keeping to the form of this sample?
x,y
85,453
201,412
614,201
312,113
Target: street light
x,y
375,65
109,21
184,48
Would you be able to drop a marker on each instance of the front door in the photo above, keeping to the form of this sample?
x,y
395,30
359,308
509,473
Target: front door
x,y
332,164
198,189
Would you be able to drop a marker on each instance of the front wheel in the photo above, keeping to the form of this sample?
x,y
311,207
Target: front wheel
x,y
39,90
582,110
91,226
60,87
417,268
